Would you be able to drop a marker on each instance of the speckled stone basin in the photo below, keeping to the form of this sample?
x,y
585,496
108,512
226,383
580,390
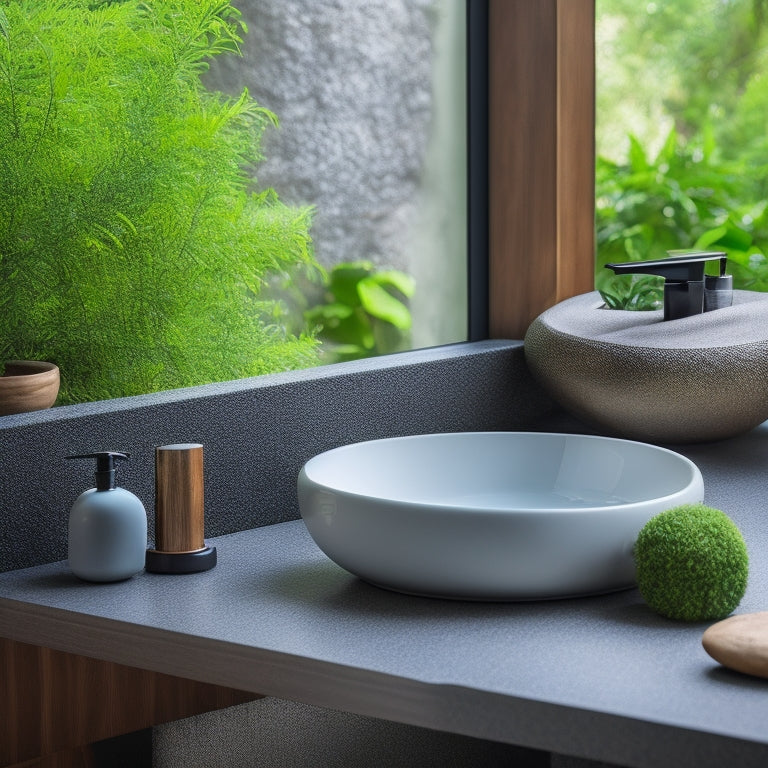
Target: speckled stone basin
x,y
633,374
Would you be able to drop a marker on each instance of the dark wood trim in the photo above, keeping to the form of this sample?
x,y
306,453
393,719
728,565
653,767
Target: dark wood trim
x,y
133,750
53,703
541,157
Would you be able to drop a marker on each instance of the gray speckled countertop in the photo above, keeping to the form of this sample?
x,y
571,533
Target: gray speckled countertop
x,y
600,677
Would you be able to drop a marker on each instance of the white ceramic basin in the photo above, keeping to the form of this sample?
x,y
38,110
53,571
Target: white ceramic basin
x,y
491,515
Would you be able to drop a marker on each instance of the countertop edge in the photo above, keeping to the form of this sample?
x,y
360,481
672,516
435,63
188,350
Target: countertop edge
x,y
457,709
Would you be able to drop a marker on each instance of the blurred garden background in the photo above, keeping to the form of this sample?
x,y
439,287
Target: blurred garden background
x,y
682,135
200,192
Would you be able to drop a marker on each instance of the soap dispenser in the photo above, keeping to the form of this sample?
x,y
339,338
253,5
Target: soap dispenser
x,y
107,526
687,291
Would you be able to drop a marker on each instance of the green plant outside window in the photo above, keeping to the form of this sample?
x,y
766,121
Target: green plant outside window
x,y
133,248
698,72
363,312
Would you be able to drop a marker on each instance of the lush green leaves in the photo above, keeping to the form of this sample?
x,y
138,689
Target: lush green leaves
x,y
364,311
687,77
132,249
685,197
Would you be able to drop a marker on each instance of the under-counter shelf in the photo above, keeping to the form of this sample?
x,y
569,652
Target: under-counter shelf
x,y
600,677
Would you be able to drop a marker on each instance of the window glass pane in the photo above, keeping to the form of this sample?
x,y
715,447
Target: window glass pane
x,y
371,98
681,132
160,229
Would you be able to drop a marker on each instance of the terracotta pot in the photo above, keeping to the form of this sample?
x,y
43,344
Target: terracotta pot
x,y
28,385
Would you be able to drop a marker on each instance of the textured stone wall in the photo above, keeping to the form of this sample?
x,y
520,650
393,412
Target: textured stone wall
x,y
369,94
256,434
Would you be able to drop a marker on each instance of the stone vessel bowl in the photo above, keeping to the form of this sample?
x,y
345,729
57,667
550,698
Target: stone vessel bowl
x,y
635,375
28,385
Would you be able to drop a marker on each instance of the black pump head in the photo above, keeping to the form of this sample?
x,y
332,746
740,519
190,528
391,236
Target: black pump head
x,y
683,275
105,466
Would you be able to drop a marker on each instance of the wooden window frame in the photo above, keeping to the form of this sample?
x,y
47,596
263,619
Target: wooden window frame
x,y
541,158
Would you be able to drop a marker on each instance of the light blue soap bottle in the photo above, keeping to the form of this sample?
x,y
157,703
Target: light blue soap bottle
x,y
107,526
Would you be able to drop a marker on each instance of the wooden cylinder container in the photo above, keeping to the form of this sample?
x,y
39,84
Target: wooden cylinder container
x,y
179,498
179,512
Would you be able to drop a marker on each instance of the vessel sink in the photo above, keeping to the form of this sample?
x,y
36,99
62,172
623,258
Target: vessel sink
x,y
491,515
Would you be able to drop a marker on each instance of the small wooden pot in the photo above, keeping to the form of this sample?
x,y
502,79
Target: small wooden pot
x,y
28,385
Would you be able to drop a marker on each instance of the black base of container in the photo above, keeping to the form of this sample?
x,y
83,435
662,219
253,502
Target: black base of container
x,y
180,562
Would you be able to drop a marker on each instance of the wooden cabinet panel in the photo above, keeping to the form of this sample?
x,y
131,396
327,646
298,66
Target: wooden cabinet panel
x,y
53,701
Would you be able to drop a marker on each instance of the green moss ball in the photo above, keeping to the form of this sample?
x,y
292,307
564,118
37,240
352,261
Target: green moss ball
x,y
692,563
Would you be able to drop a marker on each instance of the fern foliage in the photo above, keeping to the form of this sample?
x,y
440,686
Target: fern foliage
x,y
133,247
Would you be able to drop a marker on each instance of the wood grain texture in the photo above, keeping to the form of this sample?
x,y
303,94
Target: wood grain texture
x,y
133,750
52,702
179,498
575,147
28,385
541,158
77,757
